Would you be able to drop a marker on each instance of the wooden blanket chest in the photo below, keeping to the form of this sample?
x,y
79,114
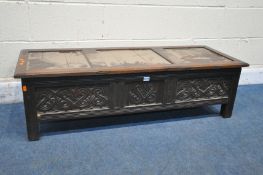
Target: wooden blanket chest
x,y
63,84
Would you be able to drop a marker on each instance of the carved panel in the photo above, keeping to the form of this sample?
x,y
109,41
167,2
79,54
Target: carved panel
x,y
202,88
70,98
143,93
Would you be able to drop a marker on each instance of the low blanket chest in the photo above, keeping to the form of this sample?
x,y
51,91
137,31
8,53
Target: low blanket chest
x,y
63,84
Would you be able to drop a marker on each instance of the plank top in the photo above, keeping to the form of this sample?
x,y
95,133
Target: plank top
x,y
80,62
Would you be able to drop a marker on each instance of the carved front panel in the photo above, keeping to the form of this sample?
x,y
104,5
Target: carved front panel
x,y
202,88
140,93
71,98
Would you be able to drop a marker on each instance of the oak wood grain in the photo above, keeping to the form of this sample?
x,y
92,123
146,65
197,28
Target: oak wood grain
x,y
102,61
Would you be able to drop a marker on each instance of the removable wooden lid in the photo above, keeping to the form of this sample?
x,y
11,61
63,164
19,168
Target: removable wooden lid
x,y
80,62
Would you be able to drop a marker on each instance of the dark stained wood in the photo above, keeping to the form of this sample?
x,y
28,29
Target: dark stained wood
x,y
30,110
226,109
66,84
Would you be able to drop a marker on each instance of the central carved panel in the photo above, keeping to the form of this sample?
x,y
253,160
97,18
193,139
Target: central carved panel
x,y
143,93
70,98
202,88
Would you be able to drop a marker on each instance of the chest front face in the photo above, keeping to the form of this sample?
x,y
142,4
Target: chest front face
x,y
57,98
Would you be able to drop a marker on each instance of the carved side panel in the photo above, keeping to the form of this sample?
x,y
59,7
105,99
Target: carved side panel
x,y
71,98
140,93
202,88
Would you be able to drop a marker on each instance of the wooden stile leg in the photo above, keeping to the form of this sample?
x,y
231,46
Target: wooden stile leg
x,y
226,109
30,112
32,131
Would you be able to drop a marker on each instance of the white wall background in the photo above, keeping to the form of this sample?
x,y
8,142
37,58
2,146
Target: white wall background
x,y
232,26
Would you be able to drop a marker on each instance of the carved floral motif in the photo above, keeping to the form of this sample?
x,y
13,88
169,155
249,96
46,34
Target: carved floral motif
x,y
202,88
69,98
143,93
